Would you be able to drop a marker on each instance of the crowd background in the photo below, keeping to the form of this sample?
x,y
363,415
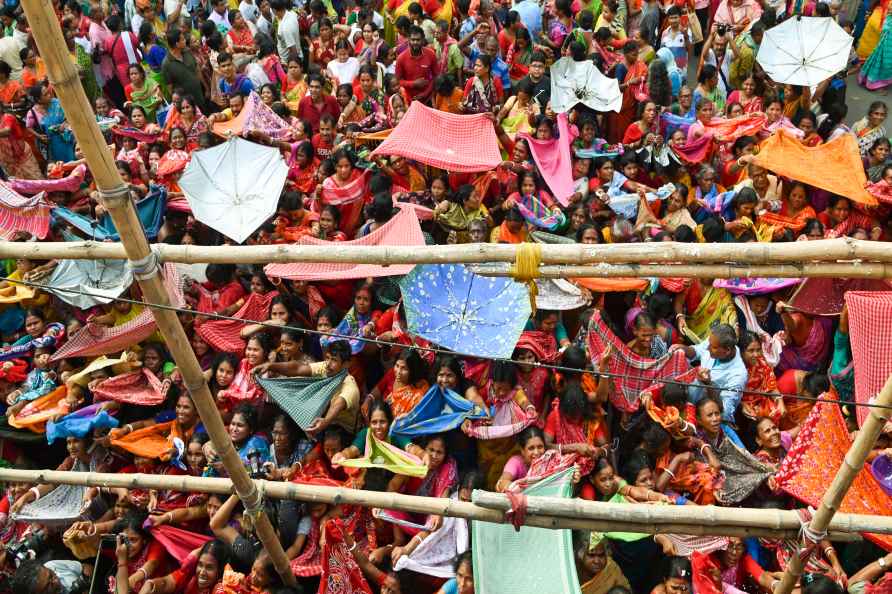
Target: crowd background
x,y
676,162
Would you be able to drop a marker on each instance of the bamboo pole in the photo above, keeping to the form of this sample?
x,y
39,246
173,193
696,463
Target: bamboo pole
x,y
116,198
852,464
855,269
642,518
823,250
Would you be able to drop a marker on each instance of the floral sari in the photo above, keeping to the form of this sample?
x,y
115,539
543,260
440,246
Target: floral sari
x,y
480,97
761,379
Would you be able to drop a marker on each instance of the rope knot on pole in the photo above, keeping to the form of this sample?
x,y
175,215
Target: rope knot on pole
x,y
146,267
115,197
526,268
810,537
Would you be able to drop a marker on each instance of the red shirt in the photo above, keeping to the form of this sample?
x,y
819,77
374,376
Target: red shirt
x,y
307,110
322,147
410,68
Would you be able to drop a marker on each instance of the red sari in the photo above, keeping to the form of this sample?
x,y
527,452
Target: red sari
x,y
632,95
761,379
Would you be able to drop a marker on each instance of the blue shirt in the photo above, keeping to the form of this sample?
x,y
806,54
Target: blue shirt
x,y
499,68
728,376
242,84
531,16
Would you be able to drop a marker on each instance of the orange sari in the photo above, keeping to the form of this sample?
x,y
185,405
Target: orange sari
x,y
761,379
403,399
696,478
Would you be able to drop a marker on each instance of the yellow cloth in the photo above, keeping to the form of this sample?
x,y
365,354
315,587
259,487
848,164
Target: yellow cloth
x,y
606,579
716,307
871,35
16,293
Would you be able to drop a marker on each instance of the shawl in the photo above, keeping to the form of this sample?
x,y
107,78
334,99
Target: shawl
x,y
52,338
340,572
17,213
380,454
309,562
150,211
704,566
507,418
436,553
243,388
870,331
172,162
811,464
351,325
554,159
743,473
696,479
715,307
685,544
178,542
61,506
438,411
255,116
80,423
119,365
771,345
303,398
224,335
137,134
572,431
140,387
606,579
36,413
537,213
348,197
634,372
761,379
154,441
543,345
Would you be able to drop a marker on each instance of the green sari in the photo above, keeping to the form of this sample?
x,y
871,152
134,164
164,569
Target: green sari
x,y
147,97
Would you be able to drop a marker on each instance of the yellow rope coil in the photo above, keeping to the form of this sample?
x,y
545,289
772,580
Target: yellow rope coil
x,y
526,268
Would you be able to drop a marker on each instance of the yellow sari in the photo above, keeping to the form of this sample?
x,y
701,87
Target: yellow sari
x,y
716,307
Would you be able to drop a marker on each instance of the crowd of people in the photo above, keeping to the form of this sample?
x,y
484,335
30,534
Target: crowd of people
x,y
751,360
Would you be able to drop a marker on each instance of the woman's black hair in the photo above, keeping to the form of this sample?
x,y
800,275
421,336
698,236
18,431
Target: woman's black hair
x,y
815,383
580,233
679,568
811,225
744,196
473,479
217,549
503,372
836,113
707,398
574,402
416,365
463,558
263,339
486,62
383,407
381,210
249,414
134,520
633,467
529,433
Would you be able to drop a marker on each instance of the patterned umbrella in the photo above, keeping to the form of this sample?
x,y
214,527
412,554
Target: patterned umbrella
x,y
462,311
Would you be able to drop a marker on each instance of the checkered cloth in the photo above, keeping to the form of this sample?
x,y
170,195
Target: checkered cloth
x,y
403,230
870,333
139,387
93,340
225,335
458,143
18,213
303,398
643,370
825,296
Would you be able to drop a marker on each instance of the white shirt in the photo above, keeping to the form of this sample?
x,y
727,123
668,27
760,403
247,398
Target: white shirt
x,y
249,12
345,72
136,22
171,5
221,20
288,36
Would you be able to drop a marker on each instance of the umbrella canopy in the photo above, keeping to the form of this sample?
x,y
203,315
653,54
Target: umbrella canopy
x,y
804,50
469,314
234,187
581,82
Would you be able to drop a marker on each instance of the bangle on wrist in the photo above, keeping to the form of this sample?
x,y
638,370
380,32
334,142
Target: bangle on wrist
x,y
36,492
351,549
882,562
669,472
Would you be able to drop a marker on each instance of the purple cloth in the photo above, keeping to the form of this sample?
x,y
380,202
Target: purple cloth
x,y
881,469
754,286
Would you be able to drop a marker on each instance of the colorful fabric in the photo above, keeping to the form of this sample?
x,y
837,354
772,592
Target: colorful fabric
x,y
140,387
380,454
834,166
52,337
457,143
303,398
255,116
137,134
467,313
402,230
177,542
826,296
635,373
543,345
876,72
554,159
754,404
811,465
350,326
754,286
440,410
543,557
36,413
93,340
730,129
436,554
349,197
224,335
694,151
19,214
870,333
536,212
150,211
340,572
80,423
881,469
715,307
60,507
744,473
149,442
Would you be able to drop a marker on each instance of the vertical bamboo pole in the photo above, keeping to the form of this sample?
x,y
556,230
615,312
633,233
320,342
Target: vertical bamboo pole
x,y
115,196
851,466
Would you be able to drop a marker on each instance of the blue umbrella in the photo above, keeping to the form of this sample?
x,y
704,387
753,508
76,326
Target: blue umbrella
x,y
464,312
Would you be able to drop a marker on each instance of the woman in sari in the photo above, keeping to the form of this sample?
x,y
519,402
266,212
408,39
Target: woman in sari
x,y
294,87
240,39
483,92
81,52
519,55
708,306
143,555
537,206
455,214
794,211
870,128
808,340
143,91
47,117
875,161
598,573
644,133
347,189
188,116
761,379
18,155
876,72
359,322
11,92
747,96
252,448
576,422
150,439
243,387
535,346
198,574
406,386
839,220
633,74
518,109
38,334
380,420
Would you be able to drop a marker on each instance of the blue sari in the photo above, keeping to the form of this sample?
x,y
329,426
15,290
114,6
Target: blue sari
x,y
60,141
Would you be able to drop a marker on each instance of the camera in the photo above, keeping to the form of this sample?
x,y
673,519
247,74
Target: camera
x,y
254,465
25,548
721,29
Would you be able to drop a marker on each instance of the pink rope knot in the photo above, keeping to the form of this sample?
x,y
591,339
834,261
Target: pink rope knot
x,y
517,515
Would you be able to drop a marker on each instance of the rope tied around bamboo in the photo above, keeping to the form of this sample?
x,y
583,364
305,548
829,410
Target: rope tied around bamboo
x,y
526,269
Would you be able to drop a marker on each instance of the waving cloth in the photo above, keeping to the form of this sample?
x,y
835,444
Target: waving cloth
x,y
826,296
349,198
542,344
255,116
754,286
148,442
403,230
436,553
80,423
575,82
834,166
554,159
93,339
150,211
303,398
440,410
642,371
811,464
557,294
870,333
59,507
177,542
103,279
694,151
730,129
36,413
457,143
380,454
17,213
743,473
70,183
543,557
140,387
224,335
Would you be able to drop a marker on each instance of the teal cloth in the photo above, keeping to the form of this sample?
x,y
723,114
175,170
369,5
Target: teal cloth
x,y
543,557
877,70
394,440
303,398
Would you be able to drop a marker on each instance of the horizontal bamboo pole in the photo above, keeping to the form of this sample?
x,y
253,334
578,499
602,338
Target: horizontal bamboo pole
x,y
642,518
856,269
824,250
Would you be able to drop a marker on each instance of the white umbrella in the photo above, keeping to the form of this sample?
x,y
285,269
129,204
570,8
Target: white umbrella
x,y
581,82
234,187
804,50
